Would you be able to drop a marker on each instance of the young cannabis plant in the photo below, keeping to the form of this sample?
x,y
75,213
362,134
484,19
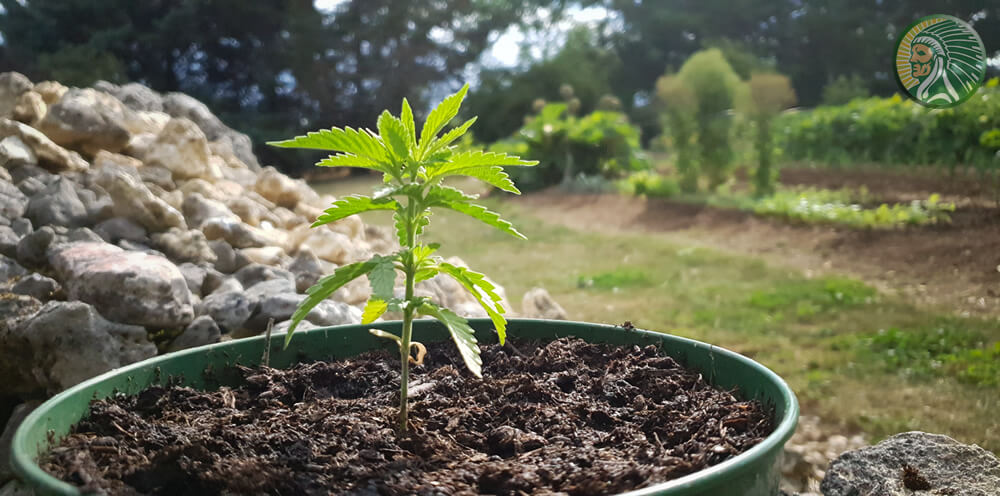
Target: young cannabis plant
x,y
412,169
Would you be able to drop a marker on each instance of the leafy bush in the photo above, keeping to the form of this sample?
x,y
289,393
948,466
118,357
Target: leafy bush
x,y
895,131
844,89
679,107
649,183
715,86
602,143
769,94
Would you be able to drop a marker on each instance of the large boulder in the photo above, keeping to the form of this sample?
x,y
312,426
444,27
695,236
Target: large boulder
x,y
133,95
30,108
14,153
184,245
133,200
119,228
539,304
182,148
279,188
197,209
331,246
914,463
200,331
59,205
68,342
50,155
125,286
181,105
37,286
8,240
14,309
307,269
51,91
229,309
13,202
88,120
12,86
236,233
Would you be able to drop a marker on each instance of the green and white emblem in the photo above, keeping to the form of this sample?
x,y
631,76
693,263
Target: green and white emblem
x,y
940,61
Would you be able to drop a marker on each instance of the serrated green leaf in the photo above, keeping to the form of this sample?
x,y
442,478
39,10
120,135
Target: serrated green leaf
x,y
394,135
383,277
477,284
324,288
351,205
485,166
351,160
448,197
463,335
451,136
424,274
373,310
493,175
360,142
440,116
406,116
478,158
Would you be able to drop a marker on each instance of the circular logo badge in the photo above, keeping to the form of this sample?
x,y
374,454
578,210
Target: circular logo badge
x,y
940,61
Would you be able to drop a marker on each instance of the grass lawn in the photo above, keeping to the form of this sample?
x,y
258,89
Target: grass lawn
x,y
856,358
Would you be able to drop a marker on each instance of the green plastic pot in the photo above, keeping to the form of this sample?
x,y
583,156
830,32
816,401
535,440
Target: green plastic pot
x,y
756,472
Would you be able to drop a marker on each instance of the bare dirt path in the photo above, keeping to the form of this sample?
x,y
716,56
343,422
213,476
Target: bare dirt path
x,y
952,267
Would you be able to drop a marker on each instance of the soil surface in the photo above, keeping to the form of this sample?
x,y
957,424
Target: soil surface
x,y
564,416
954,265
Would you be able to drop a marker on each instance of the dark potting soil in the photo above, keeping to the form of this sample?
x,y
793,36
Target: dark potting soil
x,y
563,416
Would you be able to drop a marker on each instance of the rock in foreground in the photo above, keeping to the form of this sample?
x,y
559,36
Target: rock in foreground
x,y
914,463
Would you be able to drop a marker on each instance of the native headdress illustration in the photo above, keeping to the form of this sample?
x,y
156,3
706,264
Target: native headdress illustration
x,y
944,60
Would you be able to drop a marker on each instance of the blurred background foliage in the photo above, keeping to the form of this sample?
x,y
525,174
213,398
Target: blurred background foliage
x,y
273,67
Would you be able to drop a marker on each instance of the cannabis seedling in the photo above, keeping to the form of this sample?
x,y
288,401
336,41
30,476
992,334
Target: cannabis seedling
x,y
412,171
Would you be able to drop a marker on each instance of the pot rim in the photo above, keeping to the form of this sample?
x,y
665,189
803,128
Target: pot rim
x,y
26,468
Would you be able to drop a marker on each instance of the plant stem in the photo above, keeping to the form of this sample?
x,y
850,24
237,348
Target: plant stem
x,y
404,353
404,343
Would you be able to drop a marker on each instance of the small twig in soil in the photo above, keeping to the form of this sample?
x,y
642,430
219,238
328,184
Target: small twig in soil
x,y
267,344
123,431
420,389
513,348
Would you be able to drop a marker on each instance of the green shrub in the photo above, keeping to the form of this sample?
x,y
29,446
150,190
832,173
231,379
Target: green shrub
x,y
844,89
602,143
895,132
679,107
715,86
649,183
769,94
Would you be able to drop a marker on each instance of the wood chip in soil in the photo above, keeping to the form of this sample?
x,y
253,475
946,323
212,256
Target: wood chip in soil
x,y
564,416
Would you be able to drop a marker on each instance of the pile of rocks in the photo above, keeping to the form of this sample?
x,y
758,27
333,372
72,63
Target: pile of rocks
x,y
126,215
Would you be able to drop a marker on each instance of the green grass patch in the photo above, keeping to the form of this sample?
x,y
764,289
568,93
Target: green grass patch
x,y
964,354
622,278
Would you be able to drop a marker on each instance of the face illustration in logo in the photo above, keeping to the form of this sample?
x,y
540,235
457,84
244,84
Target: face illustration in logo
x,y
940,61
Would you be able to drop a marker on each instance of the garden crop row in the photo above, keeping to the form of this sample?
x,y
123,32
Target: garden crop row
x,y
896,132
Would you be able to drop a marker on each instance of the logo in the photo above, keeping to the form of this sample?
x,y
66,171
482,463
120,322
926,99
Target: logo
x,y
940,61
